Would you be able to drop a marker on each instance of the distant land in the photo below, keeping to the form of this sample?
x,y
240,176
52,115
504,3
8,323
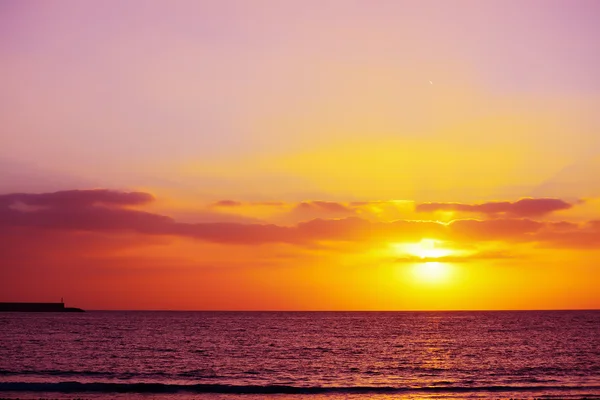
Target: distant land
x,y
37,307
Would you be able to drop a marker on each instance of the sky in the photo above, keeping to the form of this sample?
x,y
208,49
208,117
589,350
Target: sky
x,y
300,155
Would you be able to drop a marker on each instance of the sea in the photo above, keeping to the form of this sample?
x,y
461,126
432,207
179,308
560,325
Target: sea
x,y
300,355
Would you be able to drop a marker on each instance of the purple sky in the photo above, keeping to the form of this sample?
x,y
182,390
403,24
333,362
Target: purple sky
x,y
213,95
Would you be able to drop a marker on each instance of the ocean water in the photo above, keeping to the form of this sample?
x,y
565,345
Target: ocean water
x,y
291,355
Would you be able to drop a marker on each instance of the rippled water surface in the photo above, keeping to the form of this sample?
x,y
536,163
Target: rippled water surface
x,y
321,355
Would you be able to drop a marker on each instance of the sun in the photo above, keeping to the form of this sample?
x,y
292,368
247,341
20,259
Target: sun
x,y
431,272
429,248
425,249
425,267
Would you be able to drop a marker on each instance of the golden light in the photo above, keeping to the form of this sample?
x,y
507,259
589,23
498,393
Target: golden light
x,y
431,272
426,248
427,271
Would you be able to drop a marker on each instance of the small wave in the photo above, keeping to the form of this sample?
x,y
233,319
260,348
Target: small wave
x,y
105,387
53,372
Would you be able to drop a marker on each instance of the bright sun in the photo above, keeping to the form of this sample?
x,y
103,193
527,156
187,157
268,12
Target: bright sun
x,y
428,248
425,249
428,270
431,272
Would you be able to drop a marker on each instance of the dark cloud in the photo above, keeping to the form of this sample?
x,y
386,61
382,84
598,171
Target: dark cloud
x,y
521,208
103,211
90,214
77,198
81,210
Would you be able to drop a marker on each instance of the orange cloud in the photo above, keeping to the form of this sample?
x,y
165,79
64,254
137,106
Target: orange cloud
x,y
521,208
584,237
88,211
293,212
484,255
97,247
227,203
329,206
594,224
495,229
234,203
308,210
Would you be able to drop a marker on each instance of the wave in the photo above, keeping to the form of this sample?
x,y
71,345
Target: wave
x,y
108,387
54,372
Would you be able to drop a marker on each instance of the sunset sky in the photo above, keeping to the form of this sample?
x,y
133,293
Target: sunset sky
x,y
300,155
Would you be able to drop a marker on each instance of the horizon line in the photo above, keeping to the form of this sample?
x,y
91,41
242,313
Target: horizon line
x,y
350,311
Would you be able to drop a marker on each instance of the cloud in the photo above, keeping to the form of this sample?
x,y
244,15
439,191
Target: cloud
x,y
92,210
584,237
329,206
366,203
521,208
88,218
484,255
270,203
103,210
321,209
91,214
78,198
227,203
236,203
495,229
293,212
570,240
563,226
594,225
